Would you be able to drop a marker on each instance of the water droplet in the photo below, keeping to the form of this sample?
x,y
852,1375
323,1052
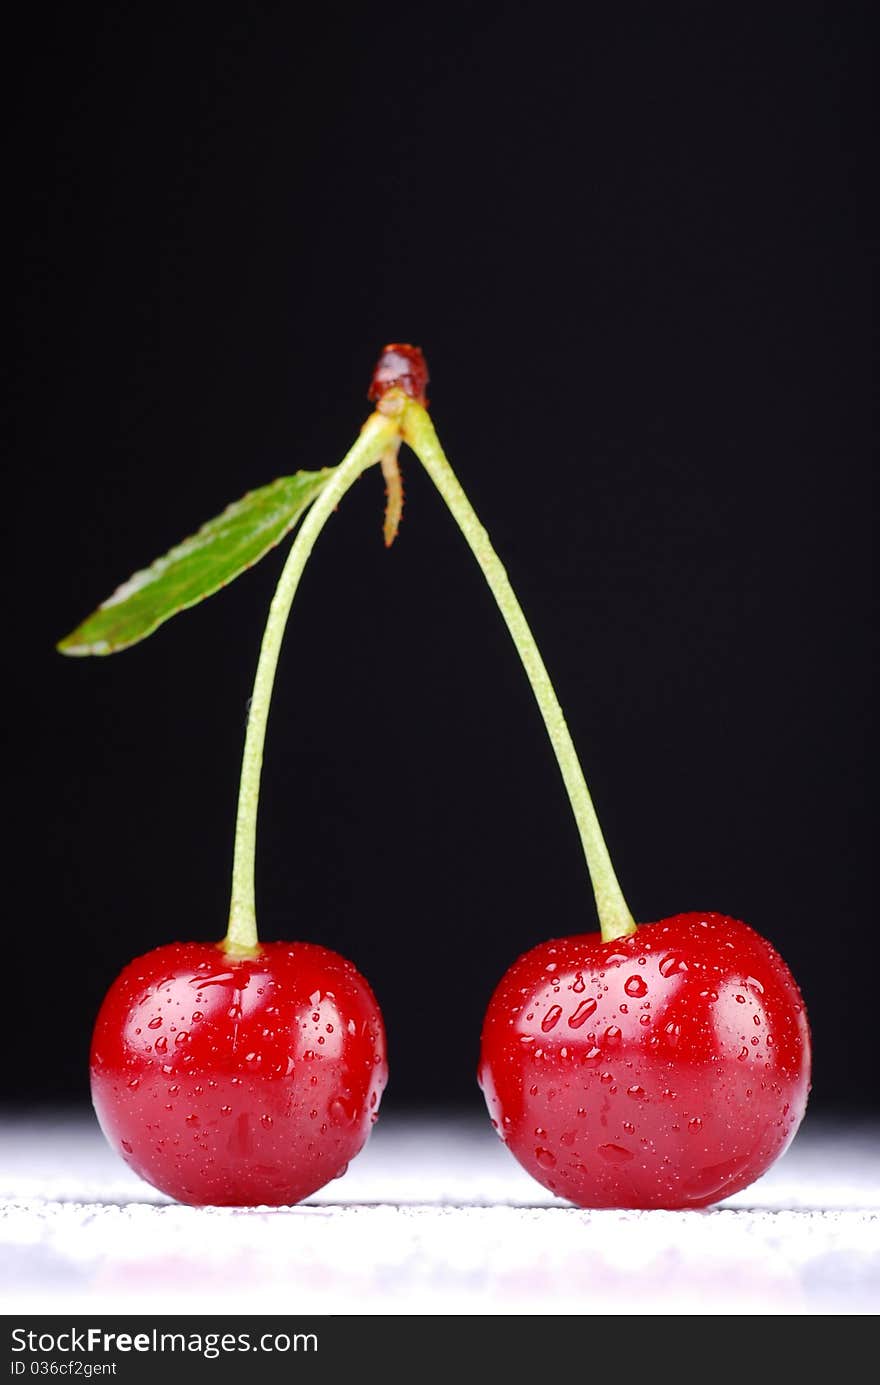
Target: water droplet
x,y
606,1077
343,1110
308,1055
756,1019
551,966
182,1038
315,998
754,1041
161,1044
740,999
672,963
578,986
551,1019
743,1054
755,984
373,1098
629,1127
635,986
612,1034
352,1029
637,1093
673,1033
567,1138
134,1083
266,1122
527,1038
533,1091
234,1012
545,1158
253,1057
126,1146
592,1055
624,1009
156,1023
582,1013
645,1020
614,1154
226,1110
695,1125
196,1016
193,1120
342,1171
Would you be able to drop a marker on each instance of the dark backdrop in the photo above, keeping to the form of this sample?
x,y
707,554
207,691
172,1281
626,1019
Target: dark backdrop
x,y
636,254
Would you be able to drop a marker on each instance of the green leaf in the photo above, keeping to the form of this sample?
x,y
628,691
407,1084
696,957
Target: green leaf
x,y
222,549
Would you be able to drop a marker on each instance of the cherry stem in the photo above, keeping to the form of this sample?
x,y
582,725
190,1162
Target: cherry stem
x,y
615,919
379,433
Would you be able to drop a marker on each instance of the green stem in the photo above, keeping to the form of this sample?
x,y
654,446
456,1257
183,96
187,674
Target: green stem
x,y
615,919
378,434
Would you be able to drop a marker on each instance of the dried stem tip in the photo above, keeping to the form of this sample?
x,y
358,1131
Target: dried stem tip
x,y
402,367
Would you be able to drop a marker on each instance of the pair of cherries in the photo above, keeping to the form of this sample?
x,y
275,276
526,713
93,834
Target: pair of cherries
x,y
659,1066
668,1068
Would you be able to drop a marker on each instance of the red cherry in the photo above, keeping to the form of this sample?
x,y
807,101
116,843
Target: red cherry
x,y
668,1068
238,1081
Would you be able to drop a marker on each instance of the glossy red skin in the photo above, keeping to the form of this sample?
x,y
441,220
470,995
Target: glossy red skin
x,y
238,1083
667,1069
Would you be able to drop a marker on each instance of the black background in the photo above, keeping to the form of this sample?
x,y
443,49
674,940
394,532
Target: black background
x,y
635,249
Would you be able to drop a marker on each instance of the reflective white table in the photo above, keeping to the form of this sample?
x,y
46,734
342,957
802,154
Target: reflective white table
x,y
433,1217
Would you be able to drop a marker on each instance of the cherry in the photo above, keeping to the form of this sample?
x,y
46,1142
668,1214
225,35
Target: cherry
x,y
667,1068
238,1081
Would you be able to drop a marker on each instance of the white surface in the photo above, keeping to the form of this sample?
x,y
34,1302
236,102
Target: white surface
x,y
434,1217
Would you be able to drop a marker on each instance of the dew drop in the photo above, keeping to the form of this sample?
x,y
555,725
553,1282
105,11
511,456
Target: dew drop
x,y
578,985
545,1158
740,999
756,1019
637,1093
635,986
695,1125
343,1110
592,1055
266,1122
743,1054
614,1154
161,1044
156,1023
612,1034
551,1019
567,1138
629,1127
672,963
673,1033
582,1013
182,1038
126,1146
134,1083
